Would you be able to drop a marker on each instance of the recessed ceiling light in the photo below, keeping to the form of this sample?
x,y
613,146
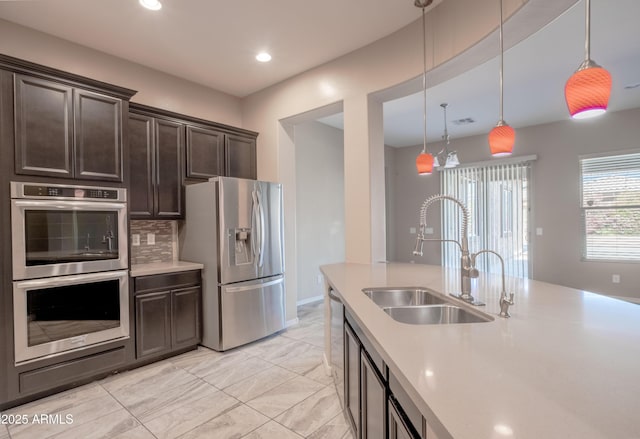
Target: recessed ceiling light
x,y
263,57
154,5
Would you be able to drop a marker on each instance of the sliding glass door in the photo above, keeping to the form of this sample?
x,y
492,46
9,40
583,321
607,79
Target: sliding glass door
x,y
497,196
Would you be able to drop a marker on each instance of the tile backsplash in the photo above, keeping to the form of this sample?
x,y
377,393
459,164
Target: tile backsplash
x,y
165,248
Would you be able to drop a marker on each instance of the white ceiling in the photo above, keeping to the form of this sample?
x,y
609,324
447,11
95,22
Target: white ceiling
x,y
535,72
213,43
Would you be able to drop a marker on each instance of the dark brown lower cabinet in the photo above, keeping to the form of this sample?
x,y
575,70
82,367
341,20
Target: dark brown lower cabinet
x,y
376,406
168,314
153,323
352,379
374,400
398,426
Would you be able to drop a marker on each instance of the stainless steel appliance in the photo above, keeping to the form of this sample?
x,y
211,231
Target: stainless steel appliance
x,y
70,260
58,314
58,229
336,332
235,228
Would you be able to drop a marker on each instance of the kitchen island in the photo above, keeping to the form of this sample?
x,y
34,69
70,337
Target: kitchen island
x,y
565,365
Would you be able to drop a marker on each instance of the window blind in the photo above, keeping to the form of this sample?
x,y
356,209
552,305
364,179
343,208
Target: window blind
x,y
497,197
611,207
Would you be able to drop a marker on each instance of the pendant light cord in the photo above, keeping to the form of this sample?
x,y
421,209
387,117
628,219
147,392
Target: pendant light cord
x,y
424,81
587,39
502,69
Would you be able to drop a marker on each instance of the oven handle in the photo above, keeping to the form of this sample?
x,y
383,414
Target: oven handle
x,y
79,205
49,282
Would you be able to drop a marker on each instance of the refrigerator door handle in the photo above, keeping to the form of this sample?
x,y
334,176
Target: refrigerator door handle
x,y
254,225
262,230
253,287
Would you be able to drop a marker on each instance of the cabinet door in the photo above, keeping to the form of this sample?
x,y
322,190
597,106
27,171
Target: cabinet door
x,y
98,136
352,378
205,153
398,426
240,153
43,127
169,189
373,400
141,168
153,323
185,317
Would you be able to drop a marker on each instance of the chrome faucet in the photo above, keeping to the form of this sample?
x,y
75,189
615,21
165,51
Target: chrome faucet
x,y
467,270
505,301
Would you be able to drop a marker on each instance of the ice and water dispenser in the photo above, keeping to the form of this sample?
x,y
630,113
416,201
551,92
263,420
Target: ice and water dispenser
x,y
242,242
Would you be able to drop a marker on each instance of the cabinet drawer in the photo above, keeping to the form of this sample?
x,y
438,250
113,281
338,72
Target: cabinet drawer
x,y
70,371
166,281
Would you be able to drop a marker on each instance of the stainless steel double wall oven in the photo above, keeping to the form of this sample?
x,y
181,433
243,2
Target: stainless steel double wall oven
x,y
70,267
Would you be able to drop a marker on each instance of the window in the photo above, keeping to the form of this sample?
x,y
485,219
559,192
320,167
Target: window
x,y
611,207
497,197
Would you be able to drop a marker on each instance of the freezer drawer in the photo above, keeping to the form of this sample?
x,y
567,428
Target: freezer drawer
x,y
251,310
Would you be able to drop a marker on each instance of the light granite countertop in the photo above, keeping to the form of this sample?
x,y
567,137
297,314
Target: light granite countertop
x,y
163,267
565,365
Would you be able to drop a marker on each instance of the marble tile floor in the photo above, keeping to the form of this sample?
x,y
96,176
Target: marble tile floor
x,y
276,388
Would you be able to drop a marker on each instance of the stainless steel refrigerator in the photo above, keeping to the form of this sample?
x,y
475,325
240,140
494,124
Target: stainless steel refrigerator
x,y
235,228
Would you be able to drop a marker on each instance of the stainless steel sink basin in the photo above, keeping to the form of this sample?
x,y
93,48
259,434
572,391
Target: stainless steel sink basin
x,y
409,296
433,315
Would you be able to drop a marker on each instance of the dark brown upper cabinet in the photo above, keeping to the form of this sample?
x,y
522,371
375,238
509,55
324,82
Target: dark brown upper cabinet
x,y
66,131
211,153
156,151
240,152
205,153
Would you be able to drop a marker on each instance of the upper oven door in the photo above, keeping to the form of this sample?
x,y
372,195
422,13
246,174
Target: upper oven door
x,y
54,237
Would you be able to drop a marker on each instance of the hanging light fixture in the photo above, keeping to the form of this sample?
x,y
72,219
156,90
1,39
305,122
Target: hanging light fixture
x,y
587,90
424,161
450,158
502,136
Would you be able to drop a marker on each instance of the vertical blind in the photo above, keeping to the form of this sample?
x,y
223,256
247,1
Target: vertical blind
x,y
611,207
497,197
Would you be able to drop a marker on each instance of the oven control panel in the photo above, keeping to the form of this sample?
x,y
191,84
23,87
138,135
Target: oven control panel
x,y
56,191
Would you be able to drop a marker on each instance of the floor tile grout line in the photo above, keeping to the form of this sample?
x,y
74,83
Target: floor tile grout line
x,y
128,411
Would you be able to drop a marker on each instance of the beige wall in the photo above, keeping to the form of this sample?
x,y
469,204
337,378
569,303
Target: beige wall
x,y
154,88
319,203
556,198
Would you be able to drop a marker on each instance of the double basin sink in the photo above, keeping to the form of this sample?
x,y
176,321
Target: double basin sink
x,y
420,306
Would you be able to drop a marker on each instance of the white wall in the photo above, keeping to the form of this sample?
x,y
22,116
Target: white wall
x,y
556,255
154,88
360,80
319,203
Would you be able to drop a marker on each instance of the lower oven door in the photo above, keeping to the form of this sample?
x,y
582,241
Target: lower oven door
x,y
58,314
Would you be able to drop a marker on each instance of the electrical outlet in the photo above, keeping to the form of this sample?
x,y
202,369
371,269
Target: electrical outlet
x,y
412,230
428,231
135,239
151,239
615,278
538,231
319,279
